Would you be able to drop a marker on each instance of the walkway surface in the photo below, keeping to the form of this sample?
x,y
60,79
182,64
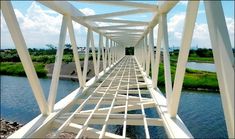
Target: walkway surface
x,y
109,102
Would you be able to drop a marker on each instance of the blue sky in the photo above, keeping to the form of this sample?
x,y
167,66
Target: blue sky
x,y
41,26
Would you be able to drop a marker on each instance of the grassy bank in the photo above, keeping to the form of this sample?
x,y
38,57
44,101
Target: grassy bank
x,y
16,69
193,79
195,59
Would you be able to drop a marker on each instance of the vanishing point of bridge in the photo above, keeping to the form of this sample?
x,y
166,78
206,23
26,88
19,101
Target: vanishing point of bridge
x,y
125,83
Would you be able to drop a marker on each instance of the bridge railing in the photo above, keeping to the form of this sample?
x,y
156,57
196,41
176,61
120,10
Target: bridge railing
x,y
113,50
222,52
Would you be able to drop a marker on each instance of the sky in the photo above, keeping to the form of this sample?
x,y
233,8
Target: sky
x,y
41,26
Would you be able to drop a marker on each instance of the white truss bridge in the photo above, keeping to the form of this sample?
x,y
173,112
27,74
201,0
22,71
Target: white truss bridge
x,y
124,84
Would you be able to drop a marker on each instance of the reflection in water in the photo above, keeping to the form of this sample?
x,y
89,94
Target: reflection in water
x,y
201,66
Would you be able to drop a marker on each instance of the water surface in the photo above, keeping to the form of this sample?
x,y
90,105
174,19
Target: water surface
x,y
201,66
201,111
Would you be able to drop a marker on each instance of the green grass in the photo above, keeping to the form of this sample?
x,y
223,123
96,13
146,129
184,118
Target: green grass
x,y
16,69
193,79
46,59
195,59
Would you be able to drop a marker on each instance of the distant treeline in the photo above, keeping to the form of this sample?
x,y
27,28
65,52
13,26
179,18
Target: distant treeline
x,y
201,52
45,56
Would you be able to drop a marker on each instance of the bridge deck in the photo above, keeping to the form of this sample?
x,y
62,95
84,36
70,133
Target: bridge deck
x,y
108,102
108,98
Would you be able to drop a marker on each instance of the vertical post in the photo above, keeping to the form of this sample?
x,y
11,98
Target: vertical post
x,y
75,52
85,64
18,39
144,54
189,24
224,59
166,56
115,51
57,66
109,53
93,54
102,52
158,53
106,51
148,55
152,57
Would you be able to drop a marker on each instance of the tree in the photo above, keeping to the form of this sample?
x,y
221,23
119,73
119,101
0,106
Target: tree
x,y
51,46
68,46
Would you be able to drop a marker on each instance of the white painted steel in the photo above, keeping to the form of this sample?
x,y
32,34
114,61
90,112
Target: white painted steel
x,y
75,52
158,53
21,47
85,64
100,47
166,59
174,127
189,24
152,55
146,45
57,66
131,22
165,7
93,53
224,59
119,26
126,4
121,78
114,14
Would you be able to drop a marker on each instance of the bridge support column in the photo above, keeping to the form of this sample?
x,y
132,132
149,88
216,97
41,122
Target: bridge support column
x,y
21,47
93,54
75,52
189,24
166,57
224,59
158,53
152,55
147,55
57,66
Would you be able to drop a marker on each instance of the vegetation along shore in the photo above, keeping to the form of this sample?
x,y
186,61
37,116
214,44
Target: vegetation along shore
x,y
43,60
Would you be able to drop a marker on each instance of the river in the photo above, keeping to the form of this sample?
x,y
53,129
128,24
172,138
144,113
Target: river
x,y
201,66
201,111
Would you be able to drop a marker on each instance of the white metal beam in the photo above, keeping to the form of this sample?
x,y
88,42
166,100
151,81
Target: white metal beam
x,y
124,29
158,53
122,21
166,59
224,59
174,127
94,54
118,26
75,52
114,14
57,65
163,8
126,4
21,47
65,8
189,25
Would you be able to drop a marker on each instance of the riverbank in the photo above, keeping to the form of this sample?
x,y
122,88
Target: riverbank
x,y
8,127
193,80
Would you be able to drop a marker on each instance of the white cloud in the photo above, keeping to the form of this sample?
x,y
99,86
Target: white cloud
x,y
87,11
201,33
39,26
42,26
